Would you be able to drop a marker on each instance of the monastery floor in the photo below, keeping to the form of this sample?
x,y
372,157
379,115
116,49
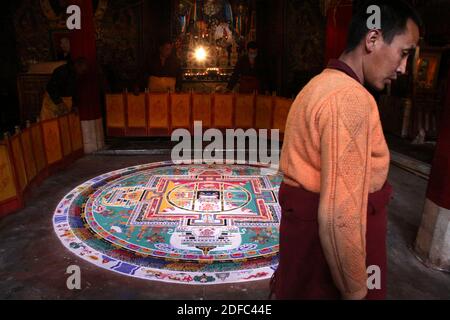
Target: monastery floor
x,y
33,261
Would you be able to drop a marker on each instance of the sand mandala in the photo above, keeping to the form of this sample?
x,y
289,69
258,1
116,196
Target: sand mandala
x,y
191,224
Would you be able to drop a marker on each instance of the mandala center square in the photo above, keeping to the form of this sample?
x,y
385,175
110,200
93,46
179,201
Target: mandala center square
x,y
209,197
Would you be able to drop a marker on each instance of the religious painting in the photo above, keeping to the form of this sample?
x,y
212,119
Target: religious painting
x,y
427,69
32,46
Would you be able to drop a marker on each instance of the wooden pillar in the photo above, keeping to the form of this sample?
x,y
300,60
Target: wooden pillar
x,y
83,45
339,17
433,239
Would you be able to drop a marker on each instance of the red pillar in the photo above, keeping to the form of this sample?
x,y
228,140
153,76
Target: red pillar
x,y
432,244
83,45
439,184
338,22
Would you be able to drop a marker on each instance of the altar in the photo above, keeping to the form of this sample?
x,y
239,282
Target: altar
x,y
211,36
209,80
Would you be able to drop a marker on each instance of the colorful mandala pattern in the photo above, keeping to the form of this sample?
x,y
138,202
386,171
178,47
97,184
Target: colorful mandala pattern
x,y
191,224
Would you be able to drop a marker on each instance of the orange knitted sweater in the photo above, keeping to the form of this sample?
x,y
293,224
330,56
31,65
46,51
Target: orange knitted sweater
x,y
334,145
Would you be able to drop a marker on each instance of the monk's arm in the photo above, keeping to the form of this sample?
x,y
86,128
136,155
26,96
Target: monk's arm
x,y
344,125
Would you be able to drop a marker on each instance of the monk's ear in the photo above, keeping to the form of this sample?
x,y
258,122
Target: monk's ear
x,y
373,38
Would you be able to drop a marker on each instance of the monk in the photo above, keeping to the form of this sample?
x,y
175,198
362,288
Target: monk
x,y
164,70
61,92
335,162
249,72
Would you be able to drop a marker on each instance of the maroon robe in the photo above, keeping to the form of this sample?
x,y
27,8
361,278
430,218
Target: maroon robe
x,y
303,272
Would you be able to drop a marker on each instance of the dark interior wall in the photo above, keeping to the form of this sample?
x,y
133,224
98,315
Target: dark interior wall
x,y
436,17
32,31
270,39
158,22
126,35
156,25
120,42
291,34
9,113
305,43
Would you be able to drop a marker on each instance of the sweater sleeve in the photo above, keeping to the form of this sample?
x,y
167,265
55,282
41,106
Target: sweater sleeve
x,y
345,135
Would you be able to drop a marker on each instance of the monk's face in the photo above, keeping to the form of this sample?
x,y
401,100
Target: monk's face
x,y
65,45
384,61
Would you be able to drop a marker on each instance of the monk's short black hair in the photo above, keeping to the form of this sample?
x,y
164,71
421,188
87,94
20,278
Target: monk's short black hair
x,y
252,45
394,17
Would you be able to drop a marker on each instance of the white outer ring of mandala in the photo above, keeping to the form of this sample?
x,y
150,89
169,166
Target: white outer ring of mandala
x,y
67,236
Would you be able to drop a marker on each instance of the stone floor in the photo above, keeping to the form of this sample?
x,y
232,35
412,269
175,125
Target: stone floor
x,y
33,262
423,152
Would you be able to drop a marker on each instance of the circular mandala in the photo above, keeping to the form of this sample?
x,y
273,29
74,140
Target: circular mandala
x,y
192,224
